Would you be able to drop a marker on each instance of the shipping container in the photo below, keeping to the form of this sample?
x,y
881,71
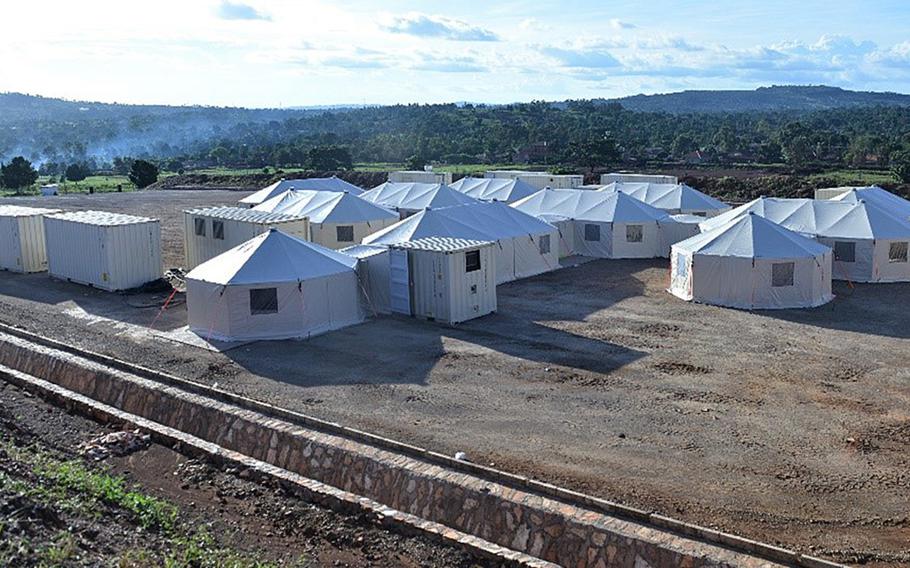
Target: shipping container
x,y
539,180
22,247
606,179
443,279
428,176
110,251
211,231
830,193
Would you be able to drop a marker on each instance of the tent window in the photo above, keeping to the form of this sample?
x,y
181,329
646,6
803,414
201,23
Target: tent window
x,y
634,233
782,274
472,261
345,233
218,230
199,227
681,265
897,252
700,213
263,301
844,251
543,243
592,232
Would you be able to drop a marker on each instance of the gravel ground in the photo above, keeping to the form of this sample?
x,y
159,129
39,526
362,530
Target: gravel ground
x,y
790,427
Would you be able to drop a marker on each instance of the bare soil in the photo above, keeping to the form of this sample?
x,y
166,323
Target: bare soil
x,y
791,427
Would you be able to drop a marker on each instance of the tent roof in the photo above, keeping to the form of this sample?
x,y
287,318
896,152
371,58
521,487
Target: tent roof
x,y
832,219
668,195
325,207
498,189
585,205
878,196
478,221
317,184
752,236
271,258
416,195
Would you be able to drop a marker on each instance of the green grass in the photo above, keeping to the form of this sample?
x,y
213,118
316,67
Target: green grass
x,y
856,177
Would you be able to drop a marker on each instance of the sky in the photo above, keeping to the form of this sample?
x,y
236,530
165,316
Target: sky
x,y
281,53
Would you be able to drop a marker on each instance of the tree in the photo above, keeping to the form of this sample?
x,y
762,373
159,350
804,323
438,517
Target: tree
x,y
76,172
143,174
415,162
595,152
682,145
328,158
18,174
900,166
122,165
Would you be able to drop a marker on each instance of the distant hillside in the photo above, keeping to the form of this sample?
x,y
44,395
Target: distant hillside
x,y
785,98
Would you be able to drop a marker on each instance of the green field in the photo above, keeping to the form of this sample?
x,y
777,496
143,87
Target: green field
x,y
857,177
99,184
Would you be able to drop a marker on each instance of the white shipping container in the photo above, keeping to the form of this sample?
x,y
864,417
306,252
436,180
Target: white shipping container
x,y
827,193
110,251
539,180
430,176
450,280
211,231
606,179
22,247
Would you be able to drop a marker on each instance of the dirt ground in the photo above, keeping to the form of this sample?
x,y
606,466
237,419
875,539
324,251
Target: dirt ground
x,y
790,427
223,518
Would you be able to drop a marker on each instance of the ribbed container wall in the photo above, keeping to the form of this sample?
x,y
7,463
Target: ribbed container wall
x,y
110,257
443,290
22,243
200,248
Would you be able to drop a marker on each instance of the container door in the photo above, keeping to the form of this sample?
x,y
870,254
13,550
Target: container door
x,y
399,285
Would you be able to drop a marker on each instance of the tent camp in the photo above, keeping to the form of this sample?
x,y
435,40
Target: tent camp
x,y
751,263
274,286
603,225
314,184
337,219
493,189
672,198
870,243
877,196
525,245
409,198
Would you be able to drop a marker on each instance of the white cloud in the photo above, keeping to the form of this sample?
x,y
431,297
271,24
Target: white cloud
x,y
618,24
427,25
239,11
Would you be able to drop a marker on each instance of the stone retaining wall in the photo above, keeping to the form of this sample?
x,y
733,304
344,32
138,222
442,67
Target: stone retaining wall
x,y
543,527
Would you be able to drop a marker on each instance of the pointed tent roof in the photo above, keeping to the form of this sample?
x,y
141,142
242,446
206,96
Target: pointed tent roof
x,y
479,221
415,195
584,205
325,207
833,219
878,196
668,196
494,189
317,184
272,257
752,236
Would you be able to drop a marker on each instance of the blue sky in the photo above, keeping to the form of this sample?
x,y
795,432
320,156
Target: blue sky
x,y
293,53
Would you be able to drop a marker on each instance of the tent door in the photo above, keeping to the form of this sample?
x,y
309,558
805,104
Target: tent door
x,y
399,285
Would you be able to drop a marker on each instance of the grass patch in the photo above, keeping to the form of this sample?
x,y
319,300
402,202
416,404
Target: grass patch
x,y
856,177
197,551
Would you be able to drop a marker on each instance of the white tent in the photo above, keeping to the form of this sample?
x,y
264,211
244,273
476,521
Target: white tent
x,y
672,198
273,286
337,219
877,196
604,225
751,263
870,243
525,245
314,184
409,198
493,189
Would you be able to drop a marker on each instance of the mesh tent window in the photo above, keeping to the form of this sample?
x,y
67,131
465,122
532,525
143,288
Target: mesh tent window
x,y
897,252
782,274
199,227
844,251
345,233
681,266
634,233
472,261
263,301
592,232
543,244
218,230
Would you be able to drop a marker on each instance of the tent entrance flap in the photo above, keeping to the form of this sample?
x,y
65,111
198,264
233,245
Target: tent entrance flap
x,y
399,282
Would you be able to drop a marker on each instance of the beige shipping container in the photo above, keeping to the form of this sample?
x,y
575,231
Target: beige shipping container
x,y
211,231
22,247
448,280
606,179
827,193
421,176
539,180
106,250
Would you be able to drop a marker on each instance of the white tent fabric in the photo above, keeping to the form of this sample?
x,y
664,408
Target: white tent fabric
x,y
870,242
604,224
679,228
877,196
751,263
409,198
525,245
491,189
313,184
337,219
273,286
672,198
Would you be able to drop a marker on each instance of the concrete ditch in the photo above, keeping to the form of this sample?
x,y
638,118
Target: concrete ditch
x,y
512,518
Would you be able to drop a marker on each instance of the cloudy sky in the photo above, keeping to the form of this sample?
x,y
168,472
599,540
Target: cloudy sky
x,y
269,53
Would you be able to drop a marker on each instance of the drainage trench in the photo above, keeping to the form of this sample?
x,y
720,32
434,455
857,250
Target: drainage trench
x,y
525,517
